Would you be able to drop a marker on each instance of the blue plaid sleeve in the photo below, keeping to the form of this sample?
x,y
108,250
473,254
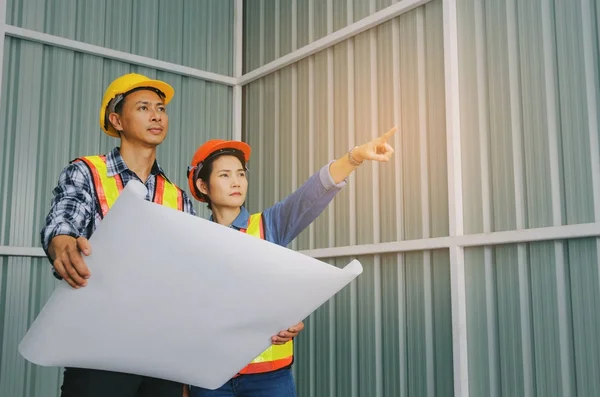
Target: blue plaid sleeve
x,y
73,206
188,205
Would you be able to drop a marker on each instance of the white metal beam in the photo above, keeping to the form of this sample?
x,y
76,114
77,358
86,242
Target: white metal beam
x,y
91,49
473,240
21,251
455,202
330,40
566,232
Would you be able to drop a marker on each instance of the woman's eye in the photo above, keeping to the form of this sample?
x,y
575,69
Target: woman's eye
x,y
143,107
162,109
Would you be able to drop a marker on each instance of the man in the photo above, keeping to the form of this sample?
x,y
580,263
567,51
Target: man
x,y
134,110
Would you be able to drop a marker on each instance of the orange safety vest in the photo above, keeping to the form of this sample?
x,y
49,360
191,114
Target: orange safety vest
x,y
276,356
108,188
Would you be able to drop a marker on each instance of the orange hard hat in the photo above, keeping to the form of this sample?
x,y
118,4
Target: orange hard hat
x,y
123,85
213,147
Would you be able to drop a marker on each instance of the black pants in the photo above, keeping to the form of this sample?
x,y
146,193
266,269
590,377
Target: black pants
x,y
94,383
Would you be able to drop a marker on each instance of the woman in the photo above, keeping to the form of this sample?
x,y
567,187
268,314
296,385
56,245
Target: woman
x,y
217,176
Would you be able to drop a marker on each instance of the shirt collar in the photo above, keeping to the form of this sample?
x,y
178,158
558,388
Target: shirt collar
x,y
116,165
241,221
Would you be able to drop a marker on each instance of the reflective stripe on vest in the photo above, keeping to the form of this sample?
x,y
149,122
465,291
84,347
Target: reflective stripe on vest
x,y
276,356
108,188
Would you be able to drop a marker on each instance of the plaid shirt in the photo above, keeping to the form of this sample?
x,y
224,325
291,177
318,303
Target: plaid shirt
x,y
74,210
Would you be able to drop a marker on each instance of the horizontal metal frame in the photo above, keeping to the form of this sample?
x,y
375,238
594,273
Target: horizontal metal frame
x,y
473,240
62,42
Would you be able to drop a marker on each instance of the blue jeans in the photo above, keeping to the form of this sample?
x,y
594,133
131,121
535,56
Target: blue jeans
x,y
278,383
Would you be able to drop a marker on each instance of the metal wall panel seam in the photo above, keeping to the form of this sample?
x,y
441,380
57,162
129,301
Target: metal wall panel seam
x,y
455,202
61,42
330,40
399,205
352,209
2,40
484,131
425,207
311,111
261,112
376,212
277,110
553,137
331,208
311,161
294,131
591,77
238,65
518,172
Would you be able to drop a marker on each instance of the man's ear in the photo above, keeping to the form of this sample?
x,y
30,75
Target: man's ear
x,y
115,120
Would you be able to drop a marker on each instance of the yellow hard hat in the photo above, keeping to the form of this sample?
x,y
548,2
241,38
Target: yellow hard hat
x,y
121,86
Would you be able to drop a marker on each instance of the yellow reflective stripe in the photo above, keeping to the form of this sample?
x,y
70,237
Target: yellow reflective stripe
x,y
109,184
171,196
254,226
273,352
110,187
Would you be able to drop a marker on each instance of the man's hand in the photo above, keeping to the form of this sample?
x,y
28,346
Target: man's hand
x,y
287,335
68,262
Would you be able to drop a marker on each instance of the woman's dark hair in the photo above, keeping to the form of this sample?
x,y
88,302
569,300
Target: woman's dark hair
x,y
207,168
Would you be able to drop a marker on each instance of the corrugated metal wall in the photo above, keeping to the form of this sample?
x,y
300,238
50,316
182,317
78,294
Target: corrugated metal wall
x,y
194,33
529,133
311,22
390,332
49,115
529,100
529,96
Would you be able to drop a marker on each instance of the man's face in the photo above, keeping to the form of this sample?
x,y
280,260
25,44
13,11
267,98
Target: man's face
x,y
143,119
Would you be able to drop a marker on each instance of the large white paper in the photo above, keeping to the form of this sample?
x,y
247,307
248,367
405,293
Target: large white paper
x,y
177,297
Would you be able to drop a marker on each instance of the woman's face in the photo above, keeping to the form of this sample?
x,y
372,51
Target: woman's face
x,y
227,185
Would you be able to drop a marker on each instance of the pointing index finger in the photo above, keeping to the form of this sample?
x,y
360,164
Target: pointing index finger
x,y
390,133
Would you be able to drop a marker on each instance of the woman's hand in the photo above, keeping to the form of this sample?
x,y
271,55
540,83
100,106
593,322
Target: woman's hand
x,y
377,150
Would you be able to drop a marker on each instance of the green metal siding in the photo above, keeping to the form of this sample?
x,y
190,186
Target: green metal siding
x,y
511,302
267,127
49,115
389,333
336,354
194,33
531,327
25,285
262,14
491,108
